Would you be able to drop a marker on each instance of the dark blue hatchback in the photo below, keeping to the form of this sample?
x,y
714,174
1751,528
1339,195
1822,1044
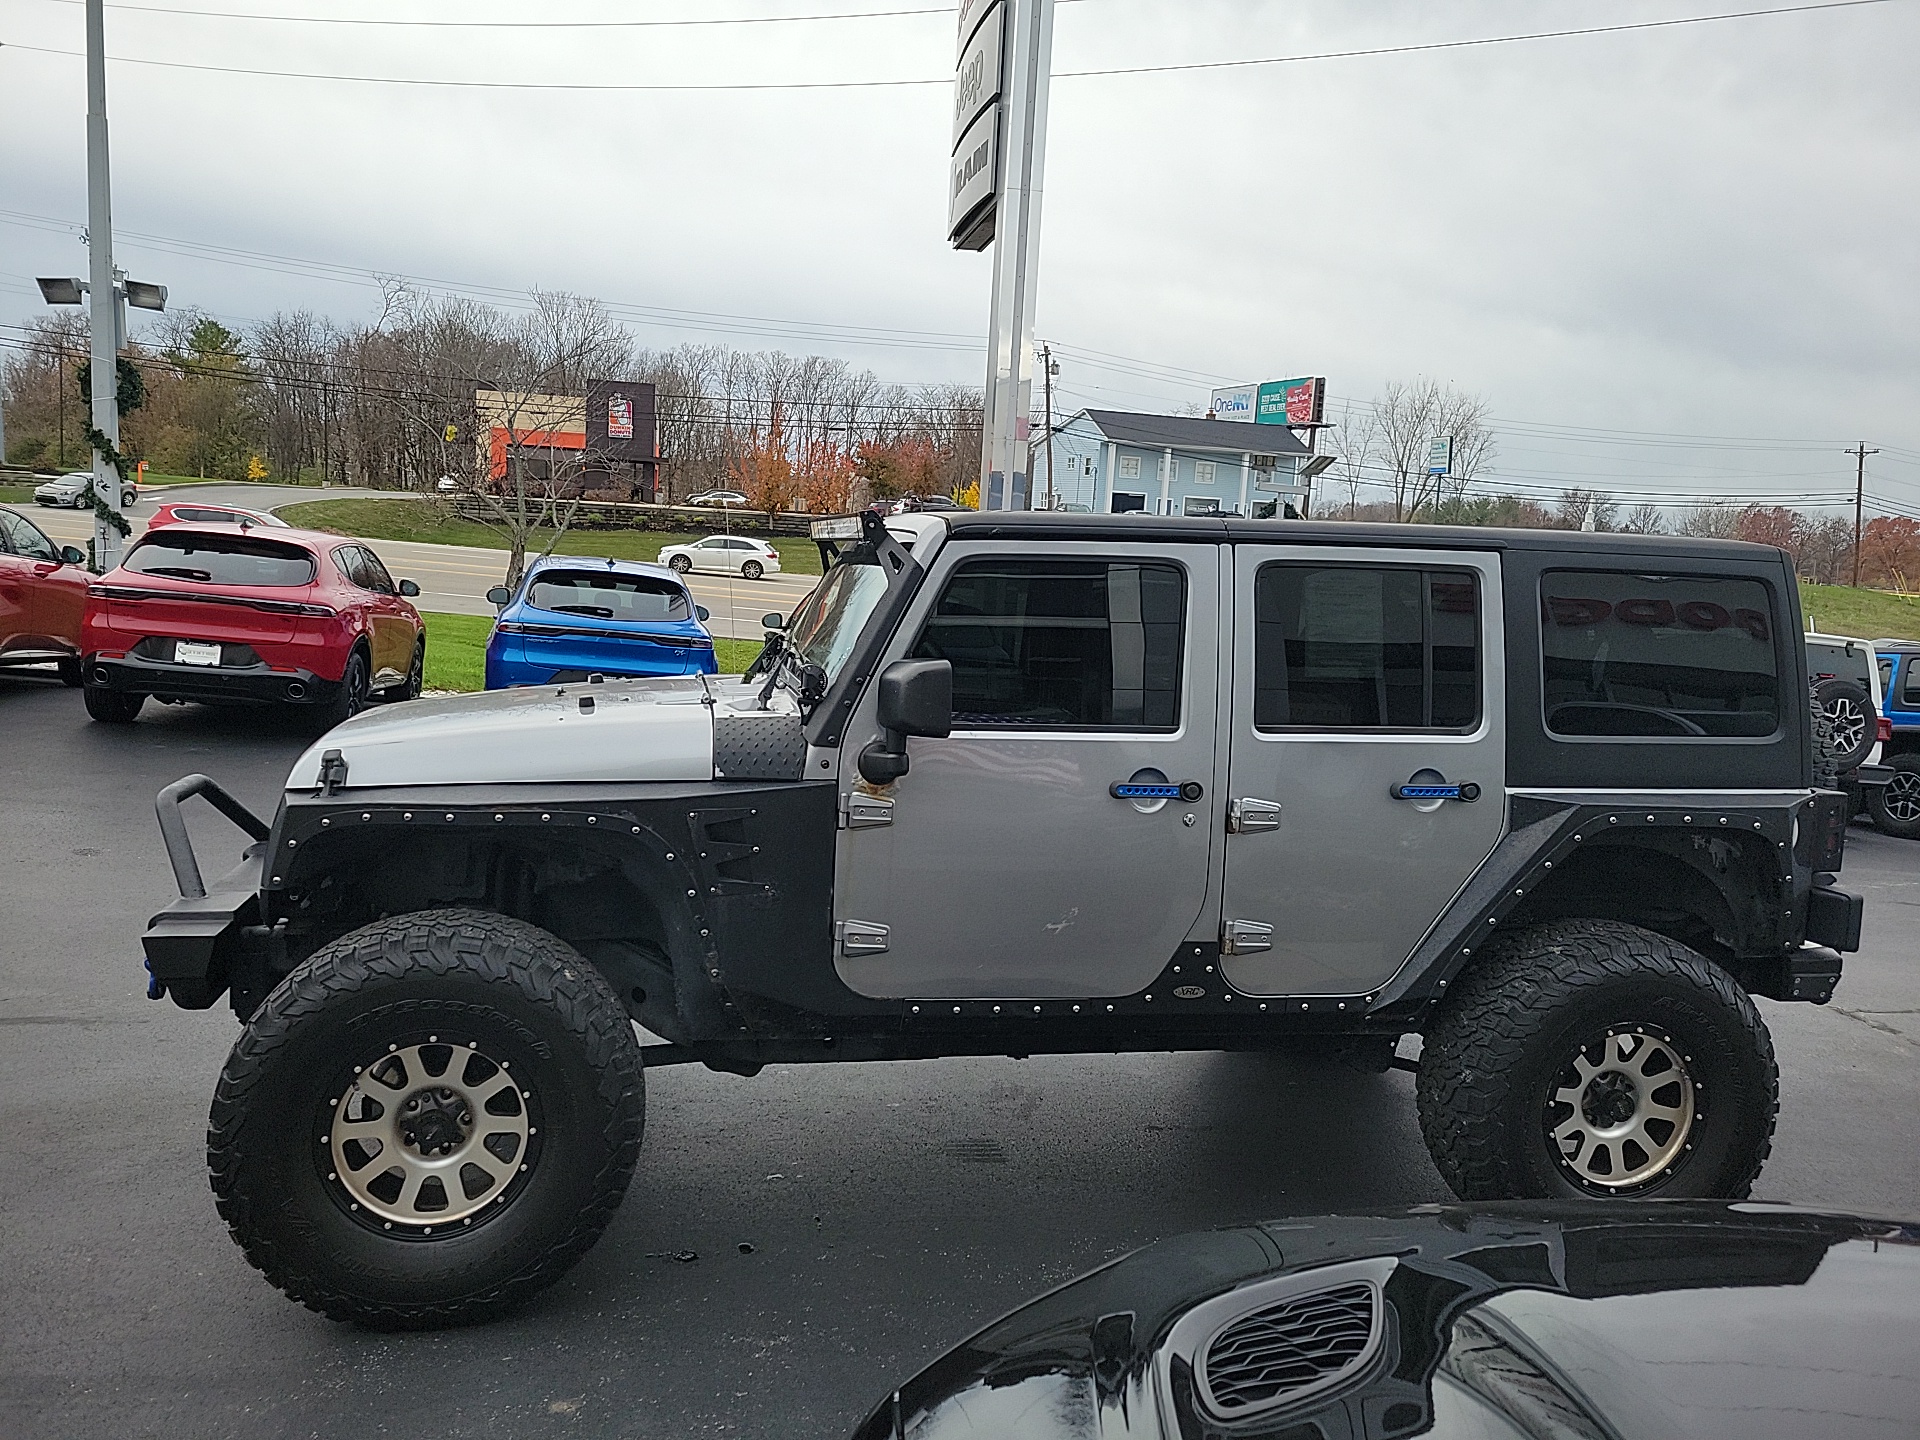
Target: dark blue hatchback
x,y
575,617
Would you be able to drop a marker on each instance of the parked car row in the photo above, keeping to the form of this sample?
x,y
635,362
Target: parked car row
x,y
239,610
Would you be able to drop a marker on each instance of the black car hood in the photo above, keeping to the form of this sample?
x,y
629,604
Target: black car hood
x,y
1577,1321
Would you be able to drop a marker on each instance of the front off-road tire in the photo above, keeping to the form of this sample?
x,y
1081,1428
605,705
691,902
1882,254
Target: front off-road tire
x,y
1639,1055
484,1039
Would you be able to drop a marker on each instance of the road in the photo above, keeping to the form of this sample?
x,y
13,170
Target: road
x,y
452,578
892,1209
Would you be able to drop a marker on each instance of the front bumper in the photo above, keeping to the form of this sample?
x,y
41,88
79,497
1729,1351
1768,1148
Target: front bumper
x,y
194,946
248,684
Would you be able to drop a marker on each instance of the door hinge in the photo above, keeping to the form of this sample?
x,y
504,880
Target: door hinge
x,y
1247,816
1244,937
860,937
861,811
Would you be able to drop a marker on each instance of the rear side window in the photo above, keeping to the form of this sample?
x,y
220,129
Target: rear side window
x,y
199,514
1666,657
220,559
608,597
1363,647
1061,644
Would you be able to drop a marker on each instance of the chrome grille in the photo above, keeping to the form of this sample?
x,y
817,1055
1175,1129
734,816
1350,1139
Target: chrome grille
x,y
1286,1349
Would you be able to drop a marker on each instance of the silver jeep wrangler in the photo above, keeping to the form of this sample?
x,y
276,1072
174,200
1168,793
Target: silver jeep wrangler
x,y
1031,783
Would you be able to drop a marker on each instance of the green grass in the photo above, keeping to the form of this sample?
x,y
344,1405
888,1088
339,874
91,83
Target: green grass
x,y
457,651
424,522
16,494
1861,614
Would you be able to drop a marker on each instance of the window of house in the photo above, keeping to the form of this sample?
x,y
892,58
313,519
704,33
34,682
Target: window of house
x,y
1203,472
1352,647
1061,644
1657,656
1200,505
1129,467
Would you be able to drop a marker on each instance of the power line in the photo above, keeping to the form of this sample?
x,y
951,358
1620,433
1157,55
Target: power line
x,y
796,85
533,24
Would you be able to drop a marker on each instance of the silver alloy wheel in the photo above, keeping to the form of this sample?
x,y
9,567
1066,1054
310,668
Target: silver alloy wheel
x,y
1849,724
1623,1110
1901,797
429,1135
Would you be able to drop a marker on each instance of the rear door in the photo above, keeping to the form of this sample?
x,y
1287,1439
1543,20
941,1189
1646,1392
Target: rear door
x,y
393,627
1365,686
1003,865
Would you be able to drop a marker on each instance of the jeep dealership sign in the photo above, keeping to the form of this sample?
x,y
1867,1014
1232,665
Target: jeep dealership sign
x,y
973,168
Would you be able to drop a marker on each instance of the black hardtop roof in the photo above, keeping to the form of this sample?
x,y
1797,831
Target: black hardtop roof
x,y
1168,529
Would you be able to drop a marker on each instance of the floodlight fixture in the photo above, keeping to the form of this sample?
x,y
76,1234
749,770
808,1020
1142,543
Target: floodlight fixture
x,y
145,295
58,290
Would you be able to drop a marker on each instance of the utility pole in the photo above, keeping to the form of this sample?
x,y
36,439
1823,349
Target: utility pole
x,y
1047,371
1860,453
104,299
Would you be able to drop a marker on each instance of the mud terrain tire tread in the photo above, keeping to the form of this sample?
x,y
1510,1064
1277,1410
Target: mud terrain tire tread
x,y
1487,1043
539,971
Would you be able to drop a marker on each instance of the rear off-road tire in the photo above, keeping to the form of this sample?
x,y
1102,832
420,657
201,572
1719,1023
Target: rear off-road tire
x,y
1644,1057
522,1058
1895,806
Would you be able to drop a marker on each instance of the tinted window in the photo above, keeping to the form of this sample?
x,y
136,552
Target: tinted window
x,y
201,515
220,559
1910,683
1350,647
608,597
1672,657
373,574
23,539
1061,643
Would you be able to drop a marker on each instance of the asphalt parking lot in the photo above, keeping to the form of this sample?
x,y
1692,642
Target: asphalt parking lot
x,y
890,1209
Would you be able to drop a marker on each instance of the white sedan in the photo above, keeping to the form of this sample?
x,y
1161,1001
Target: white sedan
x,y
724,555
76,491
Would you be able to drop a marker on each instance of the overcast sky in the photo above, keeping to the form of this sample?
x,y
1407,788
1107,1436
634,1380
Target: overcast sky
x,y
1709,230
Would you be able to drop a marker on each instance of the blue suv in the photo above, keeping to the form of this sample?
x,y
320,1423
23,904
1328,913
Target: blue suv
x,y
573,617
1896,805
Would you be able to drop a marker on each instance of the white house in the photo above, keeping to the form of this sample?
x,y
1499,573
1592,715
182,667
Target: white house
x,y
1116,461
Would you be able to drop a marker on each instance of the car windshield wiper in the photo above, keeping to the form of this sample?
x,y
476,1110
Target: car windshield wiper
x,y
600,611
180,571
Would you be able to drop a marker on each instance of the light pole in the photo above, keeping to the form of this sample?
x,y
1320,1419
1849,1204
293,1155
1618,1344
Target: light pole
x,y
107,292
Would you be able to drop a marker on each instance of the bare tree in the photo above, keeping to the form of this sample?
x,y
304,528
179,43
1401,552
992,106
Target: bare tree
x,y
544,364
1710,522
1643,519
1577,507
1355,439
1408,418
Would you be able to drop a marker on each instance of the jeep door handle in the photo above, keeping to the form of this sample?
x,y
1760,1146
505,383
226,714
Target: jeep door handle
x,y
1187,790
1468,792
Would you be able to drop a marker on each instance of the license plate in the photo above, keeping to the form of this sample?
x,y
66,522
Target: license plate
x,y
196,652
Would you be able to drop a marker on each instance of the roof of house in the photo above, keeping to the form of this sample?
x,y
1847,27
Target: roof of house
x,y
1187,432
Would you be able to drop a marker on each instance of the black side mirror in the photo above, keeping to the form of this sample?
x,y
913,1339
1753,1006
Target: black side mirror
x,y
409,589
916,698
772,621
498,596
703,612
72,555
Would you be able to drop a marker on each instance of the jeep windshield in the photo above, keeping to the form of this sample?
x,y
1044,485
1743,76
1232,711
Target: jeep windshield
x,y
827,624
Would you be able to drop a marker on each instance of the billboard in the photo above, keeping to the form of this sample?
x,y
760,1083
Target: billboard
x,y
973,166
1233,402
620,420
1300,401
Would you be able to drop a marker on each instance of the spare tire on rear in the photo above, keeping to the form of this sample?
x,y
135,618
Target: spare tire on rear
x,y
1849,710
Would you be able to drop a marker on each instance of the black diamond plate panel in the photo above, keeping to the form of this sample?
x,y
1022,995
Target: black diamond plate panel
x,y
758,747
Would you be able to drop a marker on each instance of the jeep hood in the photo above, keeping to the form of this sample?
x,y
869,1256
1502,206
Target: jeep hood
x,y
652,729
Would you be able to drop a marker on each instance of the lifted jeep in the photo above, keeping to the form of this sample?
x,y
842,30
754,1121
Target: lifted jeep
x,y
1032,783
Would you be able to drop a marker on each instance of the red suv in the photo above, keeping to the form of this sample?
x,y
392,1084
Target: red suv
x,y
43,589
225,613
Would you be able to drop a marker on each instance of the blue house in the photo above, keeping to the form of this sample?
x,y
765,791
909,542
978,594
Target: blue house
x,y
1116,461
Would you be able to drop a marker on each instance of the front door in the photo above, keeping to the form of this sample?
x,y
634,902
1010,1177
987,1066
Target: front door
x,y
1366,684
1004,865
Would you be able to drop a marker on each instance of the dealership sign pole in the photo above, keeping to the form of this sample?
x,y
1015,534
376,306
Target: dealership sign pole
x,y
998,155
